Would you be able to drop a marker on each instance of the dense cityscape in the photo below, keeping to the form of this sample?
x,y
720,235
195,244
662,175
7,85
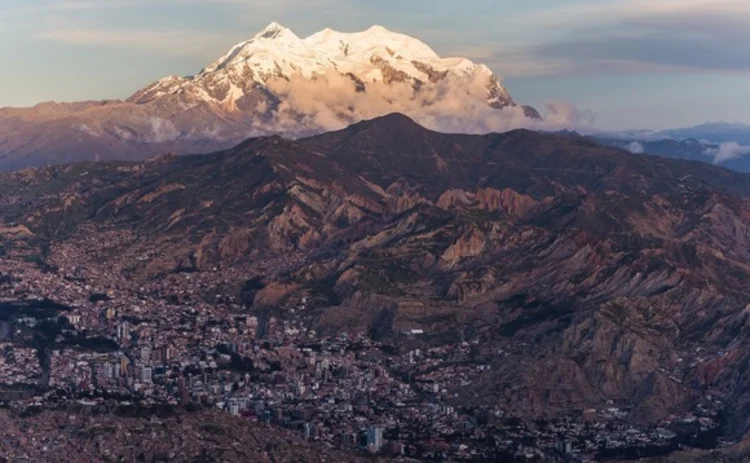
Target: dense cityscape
x,y
82,335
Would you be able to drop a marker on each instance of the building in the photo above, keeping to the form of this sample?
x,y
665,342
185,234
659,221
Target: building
x,y
123,332
124,363
310,431
374,439
146,354
565,447
146,374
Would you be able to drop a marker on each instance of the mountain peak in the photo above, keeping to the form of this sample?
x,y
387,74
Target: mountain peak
x,y
378,28
370,72
273,31
393,127
273,26
394,119
374,41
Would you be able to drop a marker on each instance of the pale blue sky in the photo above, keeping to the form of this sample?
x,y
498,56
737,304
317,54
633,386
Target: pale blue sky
x,y
634,63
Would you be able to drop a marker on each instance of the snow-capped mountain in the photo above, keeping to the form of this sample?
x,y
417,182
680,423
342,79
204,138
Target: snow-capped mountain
x,y
376,55
276,82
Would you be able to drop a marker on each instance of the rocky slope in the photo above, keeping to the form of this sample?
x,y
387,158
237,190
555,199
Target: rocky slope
x,y
610,277
275,82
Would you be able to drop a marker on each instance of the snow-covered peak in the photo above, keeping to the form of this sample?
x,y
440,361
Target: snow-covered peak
x,y
275,31
273,42
372,57
376,54
375,40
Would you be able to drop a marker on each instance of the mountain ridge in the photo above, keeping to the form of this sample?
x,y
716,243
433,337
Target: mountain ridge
x,y
717,143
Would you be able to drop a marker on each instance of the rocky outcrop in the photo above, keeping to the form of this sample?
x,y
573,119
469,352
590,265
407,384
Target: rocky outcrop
x,y
404,202
471,244
507,201
273,294
286,228
161,191
17,231
452,199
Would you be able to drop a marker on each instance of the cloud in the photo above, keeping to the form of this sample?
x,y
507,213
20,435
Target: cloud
x,y
567,115
513,60
455,104
664,43
163,130
728,151
634,36
635,147
582,37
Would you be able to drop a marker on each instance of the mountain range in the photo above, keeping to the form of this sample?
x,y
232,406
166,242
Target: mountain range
x,y
716,132
587,276
276,83
719,143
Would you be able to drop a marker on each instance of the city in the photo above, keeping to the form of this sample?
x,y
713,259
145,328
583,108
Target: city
x,y
83,335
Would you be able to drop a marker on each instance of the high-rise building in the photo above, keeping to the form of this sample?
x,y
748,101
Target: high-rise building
x,y
374,438
123,332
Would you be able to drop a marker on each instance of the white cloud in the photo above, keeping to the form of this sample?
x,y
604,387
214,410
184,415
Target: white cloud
x,y
586,36
455,104
631,36
728,151
163,130
584,14
635,147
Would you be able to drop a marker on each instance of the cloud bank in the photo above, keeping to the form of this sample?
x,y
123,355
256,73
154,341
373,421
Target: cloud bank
x,y
455,104
727,152
632,36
